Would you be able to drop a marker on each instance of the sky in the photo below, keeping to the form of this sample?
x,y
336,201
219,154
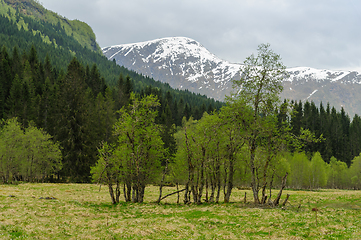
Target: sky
x,y
323,34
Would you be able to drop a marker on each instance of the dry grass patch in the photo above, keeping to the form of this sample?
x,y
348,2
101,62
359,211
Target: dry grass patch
x,y
81,211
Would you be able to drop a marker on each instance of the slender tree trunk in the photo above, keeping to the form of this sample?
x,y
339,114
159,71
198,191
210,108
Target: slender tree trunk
x,y
230,178
117,192
141,194
213,189
218,184
125,193
277,200
207,200
265,169
186,194
194,193
170,194
254,184
111,192
270,188
189,184
128,191
201,184
161,183
177,193
225,179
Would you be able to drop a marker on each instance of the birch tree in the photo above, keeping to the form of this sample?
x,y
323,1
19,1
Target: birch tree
x,y
259,88
135,160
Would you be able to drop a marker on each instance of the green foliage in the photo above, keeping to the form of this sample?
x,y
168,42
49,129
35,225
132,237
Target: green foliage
x,y
318,174
300,169
136,158
261,81
29,155
19,12
355,172
259,88
338,174
334,133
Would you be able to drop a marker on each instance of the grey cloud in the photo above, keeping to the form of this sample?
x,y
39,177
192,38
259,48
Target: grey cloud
x,y
319,34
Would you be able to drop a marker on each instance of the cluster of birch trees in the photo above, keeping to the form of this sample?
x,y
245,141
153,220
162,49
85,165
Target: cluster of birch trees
x,y
247,143
27,154
208,150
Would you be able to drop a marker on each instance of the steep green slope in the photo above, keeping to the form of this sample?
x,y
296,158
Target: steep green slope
x,y
24,28
81,32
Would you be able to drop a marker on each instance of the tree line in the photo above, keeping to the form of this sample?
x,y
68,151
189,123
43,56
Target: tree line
x,y
342,138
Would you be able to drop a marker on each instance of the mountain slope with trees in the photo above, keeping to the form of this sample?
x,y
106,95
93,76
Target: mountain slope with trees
x,y
73,92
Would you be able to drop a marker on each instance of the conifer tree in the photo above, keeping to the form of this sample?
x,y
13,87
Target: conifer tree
x,y
72,127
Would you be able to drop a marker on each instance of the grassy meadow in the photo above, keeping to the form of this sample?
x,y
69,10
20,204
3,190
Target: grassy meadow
x,y
81,211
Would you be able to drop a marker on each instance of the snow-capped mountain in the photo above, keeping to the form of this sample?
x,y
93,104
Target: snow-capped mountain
x,y
181,62
186,64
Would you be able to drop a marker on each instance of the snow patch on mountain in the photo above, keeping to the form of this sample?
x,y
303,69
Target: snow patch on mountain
x,y
176,59
184,63
307,73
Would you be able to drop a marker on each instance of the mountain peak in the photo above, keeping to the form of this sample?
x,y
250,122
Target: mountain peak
x,y
164,48
175,59
185,64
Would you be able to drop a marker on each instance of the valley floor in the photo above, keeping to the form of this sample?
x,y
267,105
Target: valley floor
x,y
83,211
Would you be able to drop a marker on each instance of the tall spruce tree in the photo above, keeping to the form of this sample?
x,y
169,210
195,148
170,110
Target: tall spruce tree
x,y
72,127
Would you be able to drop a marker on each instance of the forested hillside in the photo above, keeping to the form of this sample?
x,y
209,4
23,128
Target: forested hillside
x,y
22,31
50,79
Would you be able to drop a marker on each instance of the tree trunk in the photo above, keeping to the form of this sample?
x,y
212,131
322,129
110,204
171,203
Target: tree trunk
x,y
117,192
213,189
207,200
201,185
229,180
186,194
127,192
254,184
161,183
111,192
141,194
177,193
277,200
170,194
270,187
218,185
285,201
265,168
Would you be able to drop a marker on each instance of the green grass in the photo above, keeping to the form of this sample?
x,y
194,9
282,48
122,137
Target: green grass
x,y
81,211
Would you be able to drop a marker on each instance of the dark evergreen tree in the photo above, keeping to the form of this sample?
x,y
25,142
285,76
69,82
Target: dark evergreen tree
x,y
72,129
355,136
345,148
187,112
296,118
167,134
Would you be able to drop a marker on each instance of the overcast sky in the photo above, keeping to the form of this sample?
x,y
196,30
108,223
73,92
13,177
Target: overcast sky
x,y
312,33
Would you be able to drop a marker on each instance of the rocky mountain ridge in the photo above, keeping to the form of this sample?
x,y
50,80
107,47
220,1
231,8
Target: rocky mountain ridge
x,y
186,64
